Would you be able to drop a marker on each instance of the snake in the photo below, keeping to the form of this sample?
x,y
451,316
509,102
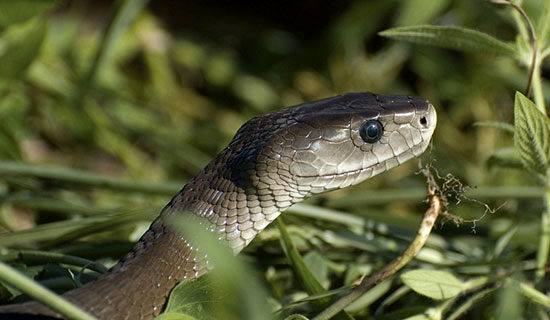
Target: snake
x,y
274,161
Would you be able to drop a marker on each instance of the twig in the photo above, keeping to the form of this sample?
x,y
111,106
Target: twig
x,y
390,269
533,40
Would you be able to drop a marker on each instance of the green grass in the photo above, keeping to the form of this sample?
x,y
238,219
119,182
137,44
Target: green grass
x,y
106,110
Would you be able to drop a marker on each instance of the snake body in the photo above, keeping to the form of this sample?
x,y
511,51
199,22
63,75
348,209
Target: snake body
x,y
274,161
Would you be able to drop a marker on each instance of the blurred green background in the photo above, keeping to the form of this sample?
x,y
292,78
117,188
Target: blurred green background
x,y
107,108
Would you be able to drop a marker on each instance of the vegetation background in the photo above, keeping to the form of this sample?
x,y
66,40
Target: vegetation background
x,y
107,108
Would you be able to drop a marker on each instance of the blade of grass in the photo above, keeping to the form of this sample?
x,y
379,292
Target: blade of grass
x,y
40,293
305,276
124,12
357,199
58,232
8,168
31,257
457,38
42,203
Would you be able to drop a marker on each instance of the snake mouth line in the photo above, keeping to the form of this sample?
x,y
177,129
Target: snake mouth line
x,y
409,152
352,172
331,175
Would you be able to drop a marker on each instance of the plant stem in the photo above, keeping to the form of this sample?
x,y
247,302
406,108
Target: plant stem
x,y
42,294
533,66
390,269
544,241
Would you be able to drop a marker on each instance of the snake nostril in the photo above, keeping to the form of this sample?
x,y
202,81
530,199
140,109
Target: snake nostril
x,y
424,121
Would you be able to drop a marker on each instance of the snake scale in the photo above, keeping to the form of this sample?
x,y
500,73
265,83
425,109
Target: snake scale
x,y
274,161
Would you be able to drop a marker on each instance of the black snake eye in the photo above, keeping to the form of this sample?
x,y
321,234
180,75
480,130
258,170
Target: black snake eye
x,y
371,131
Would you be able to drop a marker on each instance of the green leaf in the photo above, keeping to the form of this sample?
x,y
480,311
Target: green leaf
x,y
174,316
504,240
318,265
532,294
19,47
495,124
531,137
20,10
194,299
506,157
433,283
306,277
453,38
370,297
509,301
5,294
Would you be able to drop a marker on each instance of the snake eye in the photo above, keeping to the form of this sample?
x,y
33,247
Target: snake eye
x,y
371,131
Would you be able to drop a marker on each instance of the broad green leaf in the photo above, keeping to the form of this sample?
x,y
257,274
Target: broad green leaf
x,y
195,299
532,134
451,37
318,265
433,283
415,12
19,46
174,316
14,11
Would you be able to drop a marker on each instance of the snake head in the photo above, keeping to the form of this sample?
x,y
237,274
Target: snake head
x,y
283,157
341,141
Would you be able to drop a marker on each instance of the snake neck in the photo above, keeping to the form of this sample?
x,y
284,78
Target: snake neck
x,y
236,210
237,197
138,286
